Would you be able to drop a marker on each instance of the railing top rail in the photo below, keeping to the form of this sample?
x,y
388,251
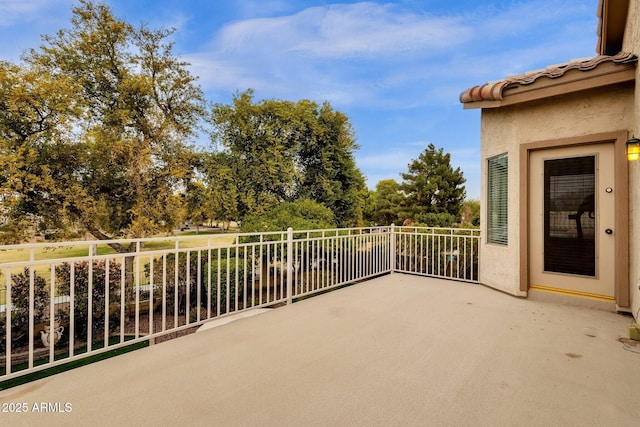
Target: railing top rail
x,y
213,241
69,243
342,231
177,238
113,256
416,229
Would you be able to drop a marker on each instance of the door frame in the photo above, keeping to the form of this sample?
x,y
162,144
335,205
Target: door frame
x,y
621,193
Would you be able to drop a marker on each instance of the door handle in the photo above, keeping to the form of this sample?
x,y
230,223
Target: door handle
x,y
608,231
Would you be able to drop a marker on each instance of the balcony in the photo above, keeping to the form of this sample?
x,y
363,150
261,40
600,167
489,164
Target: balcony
x,y
392,349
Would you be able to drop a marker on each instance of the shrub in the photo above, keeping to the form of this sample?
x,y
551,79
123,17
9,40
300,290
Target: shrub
x,y
235,287
229,258
81,295
170,273
20,308
441,219
303,214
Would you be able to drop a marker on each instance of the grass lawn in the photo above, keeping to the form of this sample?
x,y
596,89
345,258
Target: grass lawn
x,y
216,240
80,249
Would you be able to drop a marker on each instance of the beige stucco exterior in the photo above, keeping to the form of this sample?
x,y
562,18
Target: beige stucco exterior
x,y
631,40
631,43
577,103
505,130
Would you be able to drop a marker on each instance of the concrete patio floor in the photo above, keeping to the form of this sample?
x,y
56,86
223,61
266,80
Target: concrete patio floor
x,y
398,350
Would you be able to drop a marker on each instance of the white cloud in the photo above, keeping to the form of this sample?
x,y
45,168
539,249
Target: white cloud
x,y
25,20
14,12
384,56
360,30
397,72
261,8
393,160
331,52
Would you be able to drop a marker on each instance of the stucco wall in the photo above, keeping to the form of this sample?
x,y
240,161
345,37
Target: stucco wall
x,y
504,129
631,40
631,43
499,264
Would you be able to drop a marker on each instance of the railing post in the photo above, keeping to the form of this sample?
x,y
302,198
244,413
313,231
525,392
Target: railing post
x,y
289,265
392,251
136,283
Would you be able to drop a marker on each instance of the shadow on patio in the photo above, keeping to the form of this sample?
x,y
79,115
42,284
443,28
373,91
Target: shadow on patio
x,y
395,350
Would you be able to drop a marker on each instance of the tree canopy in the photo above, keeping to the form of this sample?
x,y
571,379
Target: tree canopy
x,y
303,214
93,129
432,186
283,151
389,202
431,193
97,132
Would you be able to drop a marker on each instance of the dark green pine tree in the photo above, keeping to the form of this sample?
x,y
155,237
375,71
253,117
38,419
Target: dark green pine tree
x,y
432,186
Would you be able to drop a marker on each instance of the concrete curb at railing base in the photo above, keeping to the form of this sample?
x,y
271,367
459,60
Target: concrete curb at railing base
x,y
219,322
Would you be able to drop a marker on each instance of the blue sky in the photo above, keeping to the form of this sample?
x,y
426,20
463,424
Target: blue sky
x,y
396,68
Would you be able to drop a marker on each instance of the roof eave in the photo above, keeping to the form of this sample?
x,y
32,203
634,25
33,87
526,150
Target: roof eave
x,y
612,20
545,87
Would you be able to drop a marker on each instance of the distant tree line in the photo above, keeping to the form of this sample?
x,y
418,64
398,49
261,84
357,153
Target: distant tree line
x,y
97,135
431,193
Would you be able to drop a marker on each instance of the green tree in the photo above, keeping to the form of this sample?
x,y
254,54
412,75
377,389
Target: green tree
x,y
283,151
196,203
370,209
432,219
36,113
222,191
328,169
470,212
432,186
389,202
261,140
303,214
103,149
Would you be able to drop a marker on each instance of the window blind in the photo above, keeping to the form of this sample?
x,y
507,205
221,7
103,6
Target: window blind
x,y
497,200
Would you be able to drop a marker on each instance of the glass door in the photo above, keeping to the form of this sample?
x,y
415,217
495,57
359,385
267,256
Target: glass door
x,y
569,215
571,220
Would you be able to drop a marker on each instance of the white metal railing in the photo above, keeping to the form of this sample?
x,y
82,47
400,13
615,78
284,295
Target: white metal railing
x,y
85,298
447,253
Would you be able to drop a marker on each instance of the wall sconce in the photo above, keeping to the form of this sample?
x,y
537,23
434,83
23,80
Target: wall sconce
x,y
633,149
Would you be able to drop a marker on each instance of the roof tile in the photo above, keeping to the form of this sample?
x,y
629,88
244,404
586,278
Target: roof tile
x,y
494,91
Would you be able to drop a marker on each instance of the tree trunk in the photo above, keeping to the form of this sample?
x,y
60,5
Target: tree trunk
x,y
121,249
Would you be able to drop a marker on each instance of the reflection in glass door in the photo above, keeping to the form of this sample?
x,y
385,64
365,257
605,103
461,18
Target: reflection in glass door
x,y
569,216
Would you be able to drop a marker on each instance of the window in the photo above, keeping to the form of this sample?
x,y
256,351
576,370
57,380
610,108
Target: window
x,y
497,201
569,215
